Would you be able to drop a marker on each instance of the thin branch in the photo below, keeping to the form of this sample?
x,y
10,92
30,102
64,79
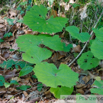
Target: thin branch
x,y
2,58
86,42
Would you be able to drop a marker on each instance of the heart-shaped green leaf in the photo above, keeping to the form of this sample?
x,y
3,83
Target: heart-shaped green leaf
x,y
61,91
74,31
31,41
37,21
97,49
36,54
56,44
87,61
27,41
51,76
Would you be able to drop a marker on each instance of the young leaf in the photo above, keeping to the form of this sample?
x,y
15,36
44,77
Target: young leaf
x,y
41,23
1,40
23,87
34,76
7,64
10,21
6,84
39,87
61,91
14,82
22,64
65,0
26,70
8,35
99,89
74,5
74,31
36,54
2,80
50,2
51,76
23,3
97,49
87,61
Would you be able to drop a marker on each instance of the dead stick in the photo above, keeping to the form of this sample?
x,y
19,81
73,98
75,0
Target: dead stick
x,y
2,58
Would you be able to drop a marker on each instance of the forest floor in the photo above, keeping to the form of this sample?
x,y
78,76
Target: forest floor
x,y
11,27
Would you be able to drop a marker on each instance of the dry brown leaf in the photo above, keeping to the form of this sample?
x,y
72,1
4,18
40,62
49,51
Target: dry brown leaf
x,y
14,46
86,78
10,74
25,93
1,26
2,90
76,48
5,45
80,86
80,91
1,21
5,55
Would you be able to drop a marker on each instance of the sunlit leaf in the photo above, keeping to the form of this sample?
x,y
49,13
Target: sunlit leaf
x,y
51,76
41,23
74,31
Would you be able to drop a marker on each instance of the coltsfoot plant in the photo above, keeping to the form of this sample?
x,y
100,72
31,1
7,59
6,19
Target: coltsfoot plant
x,y
62,79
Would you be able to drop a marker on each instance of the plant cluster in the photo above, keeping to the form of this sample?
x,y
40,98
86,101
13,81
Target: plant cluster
x,y
59,79
37,49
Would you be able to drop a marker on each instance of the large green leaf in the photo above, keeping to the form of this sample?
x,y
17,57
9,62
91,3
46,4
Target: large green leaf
x,y
87,61
56,44
61,91
26,70
51,76
36,54
99,89
28,41
99,33
37,21
33,53
97,49
74,31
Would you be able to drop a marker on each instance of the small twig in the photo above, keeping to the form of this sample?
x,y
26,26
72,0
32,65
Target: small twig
x,y
2,58
86,42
